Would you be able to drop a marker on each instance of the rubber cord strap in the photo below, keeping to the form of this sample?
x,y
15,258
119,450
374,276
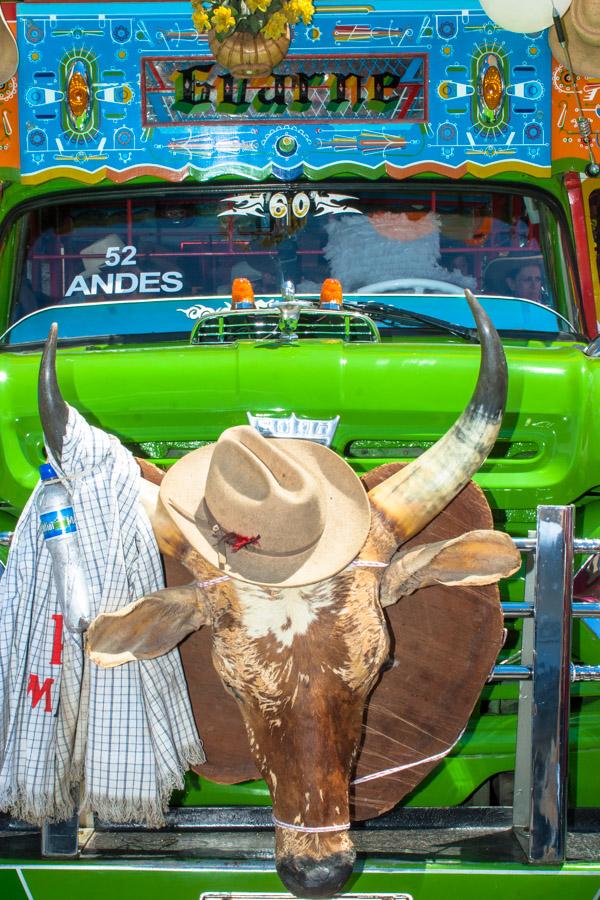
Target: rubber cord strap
x,y
412,765
211,581
307,829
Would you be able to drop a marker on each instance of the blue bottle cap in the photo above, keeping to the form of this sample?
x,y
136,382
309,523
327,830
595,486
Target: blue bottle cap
x,y
47,472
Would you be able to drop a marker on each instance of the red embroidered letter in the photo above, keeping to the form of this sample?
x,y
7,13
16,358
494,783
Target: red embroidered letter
x,y
37,691
57,640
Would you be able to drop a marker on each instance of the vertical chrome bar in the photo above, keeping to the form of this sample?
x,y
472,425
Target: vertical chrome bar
x,y
551,685
522,789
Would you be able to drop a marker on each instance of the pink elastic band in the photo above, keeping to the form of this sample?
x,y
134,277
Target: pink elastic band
x,y
307,829
203,584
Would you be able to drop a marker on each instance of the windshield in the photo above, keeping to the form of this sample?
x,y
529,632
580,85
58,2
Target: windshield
x,y
397,241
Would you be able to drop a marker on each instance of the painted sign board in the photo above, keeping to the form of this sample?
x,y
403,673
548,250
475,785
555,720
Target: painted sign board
x,y
370,90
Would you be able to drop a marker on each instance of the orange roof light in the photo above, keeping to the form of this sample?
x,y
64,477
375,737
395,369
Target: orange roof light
x,y
331,294
242,294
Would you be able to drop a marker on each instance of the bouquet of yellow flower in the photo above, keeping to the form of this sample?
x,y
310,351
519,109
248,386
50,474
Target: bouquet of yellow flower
x,y
270,18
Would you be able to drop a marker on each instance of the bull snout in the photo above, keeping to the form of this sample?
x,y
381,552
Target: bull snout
x,y
308,877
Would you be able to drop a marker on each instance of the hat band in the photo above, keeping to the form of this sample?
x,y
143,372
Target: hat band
x,y
235,541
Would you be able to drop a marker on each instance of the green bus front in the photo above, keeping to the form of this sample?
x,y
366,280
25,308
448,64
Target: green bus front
x,y
370,156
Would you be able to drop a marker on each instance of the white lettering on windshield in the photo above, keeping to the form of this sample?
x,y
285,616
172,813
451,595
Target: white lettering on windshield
x,y
278,205
96,279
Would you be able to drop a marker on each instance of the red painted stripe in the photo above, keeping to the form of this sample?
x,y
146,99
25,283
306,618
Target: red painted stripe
x,y
573,186
10,11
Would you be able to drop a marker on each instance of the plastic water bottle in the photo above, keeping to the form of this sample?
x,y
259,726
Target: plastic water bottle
x,y
60,537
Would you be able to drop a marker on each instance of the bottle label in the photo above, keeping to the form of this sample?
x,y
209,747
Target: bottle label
x,y
57,522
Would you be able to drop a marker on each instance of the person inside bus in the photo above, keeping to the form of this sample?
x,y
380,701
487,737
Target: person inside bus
x,y
527,281
459,262
29,301
521,276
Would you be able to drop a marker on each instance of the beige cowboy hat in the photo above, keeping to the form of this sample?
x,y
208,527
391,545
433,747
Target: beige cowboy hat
x,y
270,511
581,23
503,267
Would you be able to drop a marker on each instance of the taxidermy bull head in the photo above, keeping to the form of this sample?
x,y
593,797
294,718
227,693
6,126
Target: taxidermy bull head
x,y
301,654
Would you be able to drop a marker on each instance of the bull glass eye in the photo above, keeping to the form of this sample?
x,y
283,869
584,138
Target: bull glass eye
x,y
388,663
234,693
230,688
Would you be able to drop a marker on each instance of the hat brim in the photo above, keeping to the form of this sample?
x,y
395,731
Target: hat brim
x,y
585,57
347,519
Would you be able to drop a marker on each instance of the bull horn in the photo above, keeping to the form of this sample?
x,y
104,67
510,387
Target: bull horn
x,y
413,496
54,412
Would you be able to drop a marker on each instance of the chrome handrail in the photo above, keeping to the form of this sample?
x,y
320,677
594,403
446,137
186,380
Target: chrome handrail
x,y
542,751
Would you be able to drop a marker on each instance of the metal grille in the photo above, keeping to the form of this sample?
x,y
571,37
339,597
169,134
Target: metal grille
x,y
264,324
408,448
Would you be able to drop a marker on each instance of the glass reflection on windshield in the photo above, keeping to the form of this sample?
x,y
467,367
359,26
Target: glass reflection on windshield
x,y
420,241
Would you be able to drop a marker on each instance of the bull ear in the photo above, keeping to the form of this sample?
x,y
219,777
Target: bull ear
x,y
477,557
147,628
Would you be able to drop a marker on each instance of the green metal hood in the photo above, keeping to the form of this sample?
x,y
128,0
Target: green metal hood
x,y
407,392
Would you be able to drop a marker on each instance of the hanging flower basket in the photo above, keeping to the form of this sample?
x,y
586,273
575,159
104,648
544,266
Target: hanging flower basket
x,y
248,55
249,37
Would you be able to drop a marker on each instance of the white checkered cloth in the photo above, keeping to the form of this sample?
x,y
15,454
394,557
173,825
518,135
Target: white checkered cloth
x,y
126,734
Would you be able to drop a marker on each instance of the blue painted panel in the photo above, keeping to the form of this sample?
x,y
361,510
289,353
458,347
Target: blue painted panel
x,y
177,317
419,99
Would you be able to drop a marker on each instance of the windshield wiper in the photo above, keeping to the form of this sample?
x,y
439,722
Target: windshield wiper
x,y
395,314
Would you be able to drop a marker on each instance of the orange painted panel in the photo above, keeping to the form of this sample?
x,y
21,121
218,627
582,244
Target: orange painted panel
x,y
566,139
9,113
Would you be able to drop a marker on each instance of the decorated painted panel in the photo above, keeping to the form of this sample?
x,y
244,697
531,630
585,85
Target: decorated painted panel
x,y
575,116
370,90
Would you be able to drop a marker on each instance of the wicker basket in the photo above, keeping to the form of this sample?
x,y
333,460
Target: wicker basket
x,y
248,55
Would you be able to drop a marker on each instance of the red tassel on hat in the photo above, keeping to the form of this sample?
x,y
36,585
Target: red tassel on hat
x,y
238,541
